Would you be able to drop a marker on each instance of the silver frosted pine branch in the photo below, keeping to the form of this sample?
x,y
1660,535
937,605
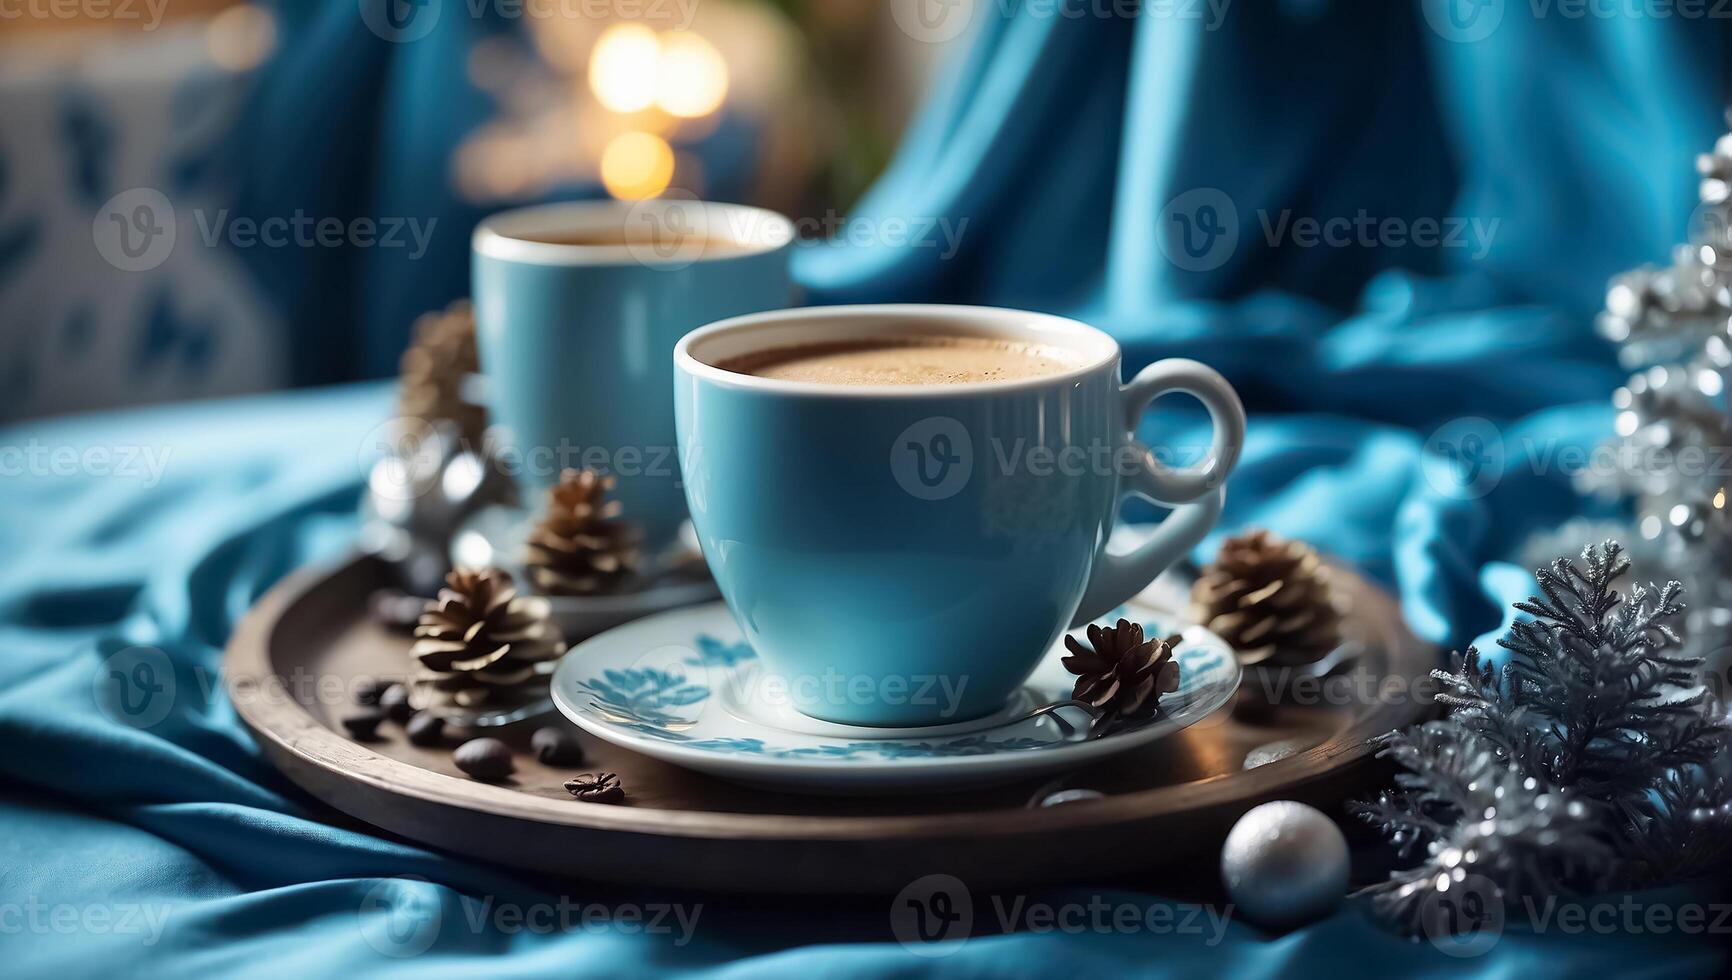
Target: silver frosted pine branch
x,y
1586,761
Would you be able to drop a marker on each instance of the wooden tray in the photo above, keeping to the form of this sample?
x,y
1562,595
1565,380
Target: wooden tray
x,y
296,653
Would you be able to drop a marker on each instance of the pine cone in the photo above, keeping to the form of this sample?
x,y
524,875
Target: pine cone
x,y
581,547
1124,675
435,367
1270,598
481,645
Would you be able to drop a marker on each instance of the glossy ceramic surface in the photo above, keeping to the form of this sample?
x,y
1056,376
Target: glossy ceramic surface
x,y
576,340
876,541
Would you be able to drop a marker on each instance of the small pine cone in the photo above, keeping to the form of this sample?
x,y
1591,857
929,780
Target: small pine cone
x,y
435,367
1270,599
1124,675
480,644
581,547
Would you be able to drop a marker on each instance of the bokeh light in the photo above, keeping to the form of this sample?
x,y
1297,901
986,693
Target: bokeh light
x,y
624,66
693,77
241,38
637,165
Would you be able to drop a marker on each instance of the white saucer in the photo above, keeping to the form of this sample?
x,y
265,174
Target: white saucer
x,y
494,536
683,687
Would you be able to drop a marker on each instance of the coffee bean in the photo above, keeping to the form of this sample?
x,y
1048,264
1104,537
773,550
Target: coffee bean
x,y
363,726
368,690
596,787
394,701
426,728
485,759
556,746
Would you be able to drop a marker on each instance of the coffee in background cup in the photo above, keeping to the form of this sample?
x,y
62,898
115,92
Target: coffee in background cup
x,y
578,307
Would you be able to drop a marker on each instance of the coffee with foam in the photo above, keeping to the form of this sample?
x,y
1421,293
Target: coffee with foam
x,y
914,359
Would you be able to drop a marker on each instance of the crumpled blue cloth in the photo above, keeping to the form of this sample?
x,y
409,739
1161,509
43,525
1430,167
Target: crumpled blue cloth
x,y
1413,411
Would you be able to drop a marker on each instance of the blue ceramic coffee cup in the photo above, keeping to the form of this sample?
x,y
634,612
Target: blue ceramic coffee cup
x,y
578,307
906,555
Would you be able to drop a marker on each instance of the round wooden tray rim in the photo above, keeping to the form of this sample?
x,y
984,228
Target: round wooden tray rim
x,y
293,731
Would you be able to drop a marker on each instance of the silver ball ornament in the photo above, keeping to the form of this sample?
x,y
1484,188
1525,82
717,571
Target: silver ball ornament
x,y
419,494
1284,864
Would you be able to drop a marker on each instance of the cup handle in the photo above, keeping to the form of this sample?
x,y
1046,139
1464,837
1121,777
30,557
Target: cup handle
x,y
1199,489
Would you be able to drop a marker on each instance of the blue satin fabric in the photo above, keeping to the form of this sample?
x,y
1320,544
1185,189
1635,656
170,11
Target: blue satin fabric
x,y
1061,140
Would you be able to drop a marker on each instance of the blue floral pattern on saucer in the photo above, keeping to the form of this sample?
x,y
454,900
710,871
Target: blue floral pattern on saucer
x,y
679,686
645,696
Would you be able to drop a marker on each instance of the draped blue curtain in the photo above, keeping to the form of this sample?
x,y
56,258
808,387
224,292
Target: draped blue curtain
x,y
346,123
